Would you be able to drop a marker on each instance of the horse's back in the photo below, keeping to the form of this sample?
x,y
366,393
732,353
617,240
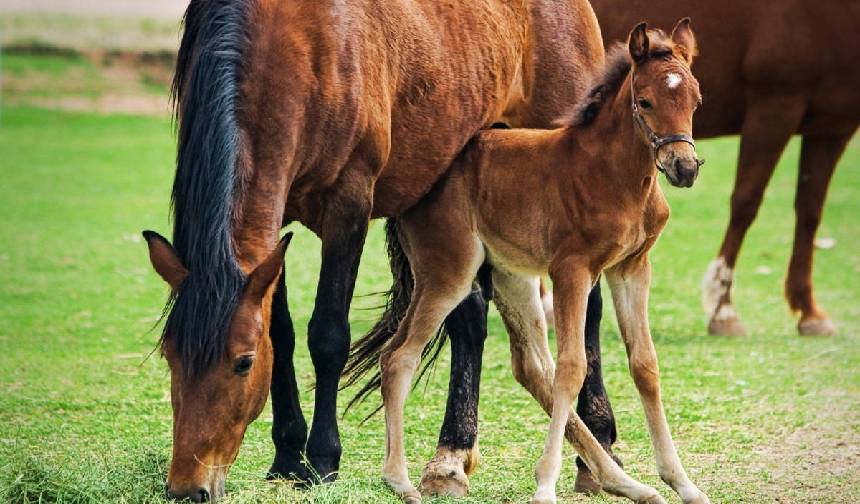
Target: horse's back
x,y
395,86
398,87
747,49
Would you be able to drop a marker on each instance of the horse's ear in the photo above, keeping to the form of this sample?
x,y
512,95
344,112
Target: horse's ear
x,y
265,274
638,43
685,41
165,260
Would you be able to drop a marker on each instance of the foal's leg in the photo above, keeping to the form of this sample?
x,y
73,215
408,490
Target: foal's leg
x,y
818,158
630,282
343,229
428,309
571,283
768,125
593,402
289,430
445,255
518,301
457,452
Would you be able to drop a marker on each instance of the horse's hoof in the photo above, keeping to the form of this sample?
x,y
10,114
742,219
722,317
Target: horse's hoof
x,y
444,477
731,326
543,498
700,499
323,469
654,499
289,470
585,482
816,327
403,488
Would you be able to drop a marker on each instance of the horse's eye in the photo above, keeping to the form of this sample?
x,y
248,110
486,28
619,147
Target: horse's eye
x,y
243,364
645,104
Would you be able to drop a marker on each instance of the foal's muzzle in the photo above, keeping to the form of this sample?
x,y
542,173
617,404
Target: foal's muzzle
x,y
681,171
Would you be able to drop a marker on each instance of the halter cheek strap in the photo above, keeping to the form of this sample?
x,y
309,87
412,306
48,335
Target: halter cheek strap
x,y
654,139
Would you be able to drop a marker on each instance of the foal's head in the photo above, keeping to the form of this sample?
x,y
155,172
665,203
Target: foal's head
x,y
213,405
664,97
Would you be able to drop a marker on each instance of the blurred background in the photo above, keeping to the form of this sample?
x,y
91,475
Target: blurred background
x,y
89,55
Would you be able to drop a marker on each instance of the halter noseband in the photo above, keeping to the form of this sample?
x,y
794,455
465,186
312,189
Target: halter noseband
x,y
655,140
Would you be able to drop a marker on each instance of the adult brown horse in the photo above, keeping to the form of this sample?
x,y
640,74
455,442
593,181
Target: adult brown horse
x,y
771,68
328,114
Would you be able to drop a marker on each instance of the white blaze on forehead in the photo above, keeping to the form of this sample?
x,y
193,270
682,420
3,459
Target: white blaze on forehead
x,y
672,80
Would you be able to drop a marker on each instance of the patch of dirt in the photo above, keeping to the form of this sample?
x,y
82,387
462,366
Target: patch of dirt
x,y
169,9
817,462
104,104
110,82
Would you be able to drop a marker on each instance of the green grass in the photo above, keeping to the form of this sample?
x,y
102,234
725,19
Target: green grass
x,y
54,65
84,411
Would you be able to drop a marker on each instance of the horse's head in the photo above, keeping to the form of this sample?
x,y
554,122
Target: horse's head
x,y
212,407
664,97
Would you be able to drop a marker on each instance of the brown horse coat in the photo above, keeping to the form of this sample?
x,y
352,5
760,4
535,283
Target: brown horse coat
x,y
771,68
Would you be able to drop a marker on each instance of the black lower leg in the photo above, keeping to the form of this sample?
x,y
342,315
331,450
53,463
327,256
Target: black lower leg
x,y
328,338
467,327
289,430
593,404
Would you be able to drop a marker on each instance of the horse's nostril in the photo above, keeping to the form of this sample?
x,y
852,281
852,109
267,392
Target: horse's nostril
x,y
198,495
202,495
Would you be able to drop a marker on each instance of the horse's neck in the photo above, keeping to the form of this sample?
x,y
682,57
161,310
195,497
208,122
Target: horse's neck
x,y
259,219
622,155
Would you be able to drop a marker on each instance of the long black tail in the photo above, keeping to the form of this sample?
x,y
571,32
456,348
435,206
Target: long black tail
x,y
365,352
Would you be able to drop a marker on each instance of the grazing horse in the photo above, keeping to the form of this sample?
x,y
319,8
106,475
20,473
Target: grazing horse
x,y
572,203
772,68
328,114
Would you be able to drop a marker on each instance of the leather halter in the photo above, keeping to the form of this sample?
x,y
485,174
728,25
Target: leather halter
x,y
654,139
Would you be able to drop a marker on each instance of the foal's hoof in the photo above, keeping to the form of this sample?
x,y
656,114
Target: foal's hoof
x,y
700,499
412,499
585,482
403,488
444,476
731,326
654,499
816,327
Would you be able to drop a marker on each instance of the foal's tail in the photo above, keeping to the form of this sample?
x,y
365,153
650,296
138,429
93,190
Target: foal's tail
x,y
365,353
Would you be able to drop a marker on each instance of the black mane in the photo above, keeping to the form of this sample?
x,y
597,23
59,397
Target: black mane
x,y
205,91
609,81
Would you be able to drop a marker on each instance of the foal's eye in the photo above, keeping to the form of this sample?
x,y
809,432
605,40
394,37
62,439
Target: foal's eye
x,y
243,365
645,104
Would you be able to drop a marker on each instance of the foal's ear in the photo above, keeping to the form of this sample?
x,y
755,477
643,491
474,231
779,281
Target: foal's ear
x,y
685,41
165,260
267,271
638,43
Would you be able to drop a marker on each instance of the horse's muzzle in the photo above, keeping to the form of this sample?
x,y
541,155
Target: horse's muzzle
x,y
682,172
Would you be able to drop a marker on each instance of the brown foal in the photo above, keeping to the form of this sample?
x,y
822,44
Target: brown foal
x,y
572,203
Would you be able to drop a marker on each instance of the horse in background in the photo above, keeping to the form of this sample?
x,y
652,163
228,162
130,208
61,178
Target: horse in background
x,y
591,190
328,115
772,69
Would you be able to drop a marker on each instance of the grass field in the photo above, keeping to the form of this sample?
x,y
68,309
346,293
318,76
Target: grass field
x,y
84,408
